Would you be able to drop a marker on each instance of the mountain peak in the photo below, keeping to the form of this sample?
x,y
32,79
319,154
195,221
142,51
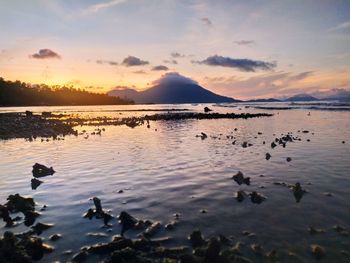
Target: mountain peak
x,y
172,88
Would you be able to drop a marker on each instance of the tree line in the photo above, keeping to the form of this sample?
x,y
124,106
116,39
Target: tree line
x,y
17,93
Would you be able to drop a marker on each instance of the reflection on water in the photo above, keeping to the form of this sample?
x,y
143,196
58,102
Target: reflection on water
x,y
166,170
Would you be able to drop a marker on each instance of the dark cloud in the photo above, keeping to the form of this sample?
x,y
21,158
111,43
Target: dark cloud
x,y
173,78
160,67
173,61
207,21
244,42
109,62
246,65
45,54
177,55
131,61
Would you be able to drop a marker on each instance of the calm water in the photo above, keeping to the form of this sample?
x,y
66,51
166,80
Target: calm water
x,y
166,169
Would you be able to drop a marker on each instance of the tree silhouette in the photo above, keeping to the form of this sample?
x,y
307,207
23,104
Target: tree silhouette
x,y
17,93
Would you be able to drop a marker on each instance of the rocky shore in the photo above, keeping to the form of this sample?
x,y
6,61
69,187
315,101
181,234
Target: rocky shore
x,y
46,125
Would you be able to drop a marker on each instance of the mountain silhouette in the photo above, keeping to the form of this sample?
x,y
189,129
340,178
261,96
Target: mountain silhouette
x,y
301,97
172,88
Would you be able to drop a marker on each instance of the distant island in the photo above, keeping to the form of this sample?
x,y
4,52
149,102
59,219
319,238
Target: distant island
x,y
172,88
301,97
18,93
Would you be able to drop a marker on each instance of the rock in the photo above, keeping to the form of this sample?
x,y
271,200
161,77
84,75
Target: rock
x,y
257,249
237,248
328,194
196,239
17,203
240,179
212,253
98,206
339,228
206,109
318,252
40,227
298,192
312,230
40,170
80,257
30,217
240,196
170,226
273,145
267,156
35,183
127,221
272,255
289,159
55,237
203,211
151,230
257,198
28,113
99,213
5,215
305,131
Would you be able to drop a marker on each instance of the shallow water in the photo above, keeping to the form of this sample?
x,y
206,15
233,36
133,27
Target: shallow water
x,y
166,169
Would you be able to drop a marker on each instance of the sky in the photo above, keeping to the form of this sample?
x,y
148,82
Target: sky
x,y
239,48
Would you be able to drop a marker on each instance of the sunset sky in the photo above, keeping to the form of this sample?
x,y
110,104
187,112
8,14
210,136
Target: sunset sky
x,y
243,49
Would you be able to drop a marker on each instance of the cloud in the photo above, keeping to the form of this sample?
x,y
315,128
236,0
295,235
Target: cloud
x,y
266,85
159,68
206,21
97,7
342,26
139,72
109,62
173,78
131,61
246,65
245,42
177,55
172,61
45,54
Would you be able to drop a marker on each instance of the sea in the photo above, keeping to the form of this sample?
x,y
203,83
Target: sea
x,y
168,172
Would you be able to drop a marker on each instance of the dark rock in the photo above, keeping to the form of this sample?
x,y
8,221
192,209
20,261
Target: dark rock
x,y
318,252
240,179
212,253
240,196
289,159
268,156
40,170
206,109
257,198
273,145
40,227
55,237
312,230
80,257
127,221
35,183
151,230
196,239
298,192
5,215
257,249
